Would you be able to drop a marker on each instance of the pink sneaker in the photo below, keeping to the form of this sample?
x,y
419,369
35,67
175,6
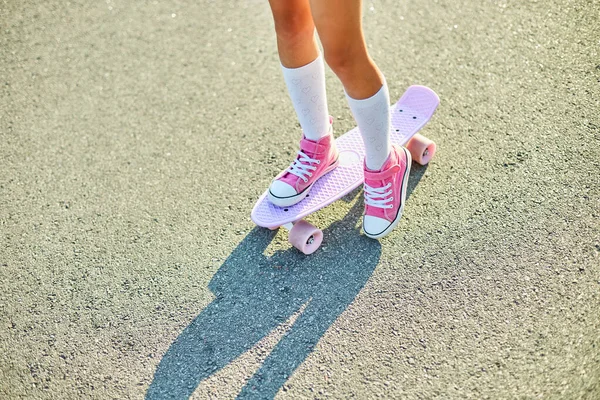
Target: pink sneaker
x,y
315,159
385,192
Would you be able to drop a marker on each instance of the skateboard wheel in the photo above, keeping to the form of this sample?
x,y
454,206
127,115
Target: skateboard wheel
x,y
305,237
421,149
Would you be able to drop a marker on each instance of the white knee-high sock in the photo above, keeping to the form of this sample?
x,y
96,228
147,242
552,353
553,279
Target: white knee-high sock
x,y
306,86
373,118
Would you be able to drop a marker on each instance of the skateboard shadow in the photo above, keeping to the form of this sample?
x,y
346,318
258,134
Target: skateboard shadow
x,y
416,173
254,294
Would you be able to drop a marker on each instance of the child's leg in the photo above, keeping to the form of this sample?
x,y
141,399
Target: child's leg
x,y
387,167
302,66
295,31
340,30
304,75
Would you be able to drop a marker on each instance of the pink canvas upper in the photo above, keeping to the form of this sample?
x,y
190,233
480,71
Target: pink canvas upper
x,y
392,173
322,150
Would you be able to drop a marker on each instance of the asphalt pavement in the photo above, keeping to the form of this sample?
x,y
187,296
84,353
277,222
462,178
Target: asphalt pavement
x,y
135,137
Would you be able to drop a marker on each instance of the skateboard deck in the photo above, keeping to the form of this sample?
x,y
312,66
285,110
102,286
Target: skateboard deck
x,y
408,116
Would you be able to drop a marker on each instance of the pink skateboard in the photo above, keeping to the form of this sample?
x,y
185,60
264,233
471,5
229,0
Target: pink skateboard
x,y
409,115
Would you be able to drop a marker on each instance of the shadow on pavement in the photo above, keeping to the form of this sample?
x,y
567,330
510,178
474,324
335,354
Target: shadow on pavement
x,y
255,294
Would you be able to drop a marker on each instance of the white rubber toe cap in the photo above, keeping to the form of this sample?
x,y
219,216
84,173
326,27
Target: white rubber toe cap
x,y
283,195
375,227
282,189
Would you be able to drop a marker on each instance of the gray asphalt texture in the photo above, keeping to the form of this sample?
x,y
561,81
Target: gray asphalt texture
x,y
135,138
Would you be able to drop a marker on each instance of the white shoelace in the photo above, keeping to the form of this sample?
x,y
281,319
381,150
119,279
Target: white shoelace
x,y
371,193
301,170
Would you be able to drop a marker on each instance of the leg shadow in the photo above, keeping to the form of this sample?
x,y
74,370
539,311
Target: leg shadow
x,y
255,294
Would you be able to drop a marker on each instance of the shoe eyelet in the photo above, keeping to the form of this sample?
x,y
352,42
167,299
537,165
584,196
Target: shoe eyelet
x,y
310,174
305,180
318,161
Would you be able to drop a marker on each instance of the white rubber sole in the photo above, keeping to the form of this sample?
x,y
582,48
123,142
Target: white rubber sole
x,y
290,201
393,224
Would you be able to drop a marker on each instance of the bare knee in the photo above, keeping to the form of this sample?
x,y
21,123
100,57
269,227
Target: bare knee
x,y
345,59
292,27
